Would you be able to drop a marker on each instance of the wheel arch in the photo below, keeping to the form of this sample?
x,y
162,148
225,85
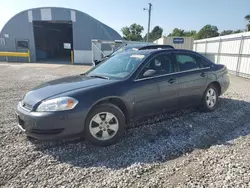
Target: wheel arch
x,y
217,85
117,102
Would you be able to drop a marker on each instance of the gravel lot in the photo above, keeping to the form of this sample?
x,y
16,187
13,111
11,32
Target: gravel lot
x,y
182,149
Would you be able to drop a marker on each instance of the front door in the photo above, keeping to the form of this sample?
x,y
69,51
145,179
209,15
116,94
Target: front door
x,y
158,91
146,100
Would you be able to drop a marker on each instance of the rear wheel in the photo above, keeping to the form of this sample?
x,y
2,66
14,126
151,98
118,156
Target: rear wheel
x,y
104,125
210,99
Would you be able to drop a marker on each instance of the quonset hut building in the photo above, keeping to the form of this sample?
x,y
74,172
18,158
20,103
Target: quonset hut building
x,y
51,33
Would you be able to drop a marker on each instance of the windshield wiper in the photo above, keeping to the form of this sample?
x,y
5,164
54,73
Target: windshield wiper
x,y
99,76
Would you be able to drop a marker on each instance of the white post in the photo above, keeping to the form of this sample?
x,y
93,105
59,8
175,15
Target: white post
x,y
93,62
206,48
219,51
239,55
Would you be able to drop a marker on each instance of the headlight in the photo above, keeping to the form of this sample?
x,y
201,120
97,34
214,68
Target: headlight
x,y
57,104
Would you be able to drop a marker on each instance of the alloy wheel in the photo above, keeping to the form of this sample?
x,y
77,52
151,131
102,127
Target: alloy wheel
x,y
211,98
104,126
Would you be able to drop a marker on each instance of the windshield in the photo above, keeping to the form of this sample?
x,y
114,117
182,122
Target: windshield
x,y
123,49
118,66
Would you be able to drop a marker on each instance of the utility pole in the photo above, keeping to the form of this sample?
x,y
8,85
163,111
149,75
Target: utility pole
x,y
149,17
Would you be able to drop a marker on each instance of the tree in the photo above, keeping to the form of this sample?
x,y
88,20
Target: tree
x,y
155,34
226,32
182,33
191,33
177,33
207,31
247,18
248,27
132,33
238,31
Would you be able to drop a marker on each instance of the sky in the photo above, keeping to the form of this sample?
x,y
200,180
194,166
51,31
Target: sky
x,y
168,14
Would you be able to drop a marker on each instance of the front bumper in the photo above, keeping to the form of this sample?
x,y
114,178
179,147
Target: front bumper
x,y
51,125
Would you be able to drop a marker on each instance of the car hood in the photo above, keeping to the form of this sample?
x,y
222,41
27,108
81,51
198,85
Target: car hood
x,y
62,85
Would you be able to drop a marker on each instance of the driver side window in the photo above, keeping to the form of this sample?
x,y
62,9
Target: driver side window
x,y
160,65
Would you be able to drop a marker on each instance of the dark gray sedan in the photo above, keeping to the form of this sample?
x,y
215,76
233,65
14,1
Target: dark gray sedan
x,y
99,104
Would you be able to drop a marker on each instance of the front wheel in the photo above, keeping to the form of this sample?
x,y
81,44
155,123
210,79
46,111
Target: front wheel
x,y
210,99
104,125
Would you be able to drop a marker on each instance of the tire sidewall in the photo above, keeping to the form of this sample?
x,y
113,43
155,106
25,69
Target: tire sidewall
x,y
205,105
106,107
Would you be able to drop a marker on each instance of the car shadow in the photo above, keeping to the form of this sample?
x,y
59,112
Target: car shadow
x,y
166,136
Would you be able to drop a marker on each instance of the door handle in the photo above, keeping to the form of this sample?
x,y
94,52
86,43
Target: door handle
x,y
203,74
171,81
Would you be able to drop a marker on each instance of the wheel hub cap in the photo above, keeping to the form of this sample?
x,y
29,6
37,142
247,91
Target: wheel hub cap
x,y
211,98
104,126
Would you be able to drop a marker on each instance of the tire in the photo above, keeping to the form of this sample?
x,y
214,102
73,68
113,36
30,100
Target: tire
x,y
31,139
105,125
210,94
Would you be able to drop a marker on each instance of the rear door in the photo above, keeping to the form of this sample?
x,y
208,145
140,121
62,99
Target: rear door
x,y
192,78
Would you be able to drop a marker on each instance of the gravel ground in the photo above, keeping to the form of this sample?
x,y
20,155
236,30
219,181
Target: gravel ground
x,y
182,149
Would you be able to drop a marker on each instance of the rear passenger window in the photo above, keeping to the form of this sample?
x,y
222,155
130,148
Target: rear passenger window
x,y
186,62
203,63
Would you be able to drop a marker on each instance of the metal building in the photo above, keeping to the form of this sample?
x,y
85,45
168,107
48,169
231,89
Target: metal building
x,y
53,34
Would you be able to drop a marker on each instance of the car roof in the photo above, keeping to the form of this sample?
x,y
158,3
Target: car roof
x,y
139,52
145,45
151,51
143,52
163,50
138,45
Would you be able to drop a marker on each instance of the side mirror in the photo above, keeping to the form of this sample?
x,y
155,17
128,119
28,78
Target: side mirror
x,y
149,72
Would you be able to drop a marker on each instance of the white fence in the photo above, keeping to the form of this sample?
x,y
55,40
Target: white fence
x,y
231,50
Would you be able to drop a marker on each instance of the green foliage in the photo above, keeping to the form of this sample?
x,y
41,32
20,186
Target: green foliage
x,y
132,33
191,33
248,27
238,31
181,33
247,17
177,33
226,32
208,31
155,34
